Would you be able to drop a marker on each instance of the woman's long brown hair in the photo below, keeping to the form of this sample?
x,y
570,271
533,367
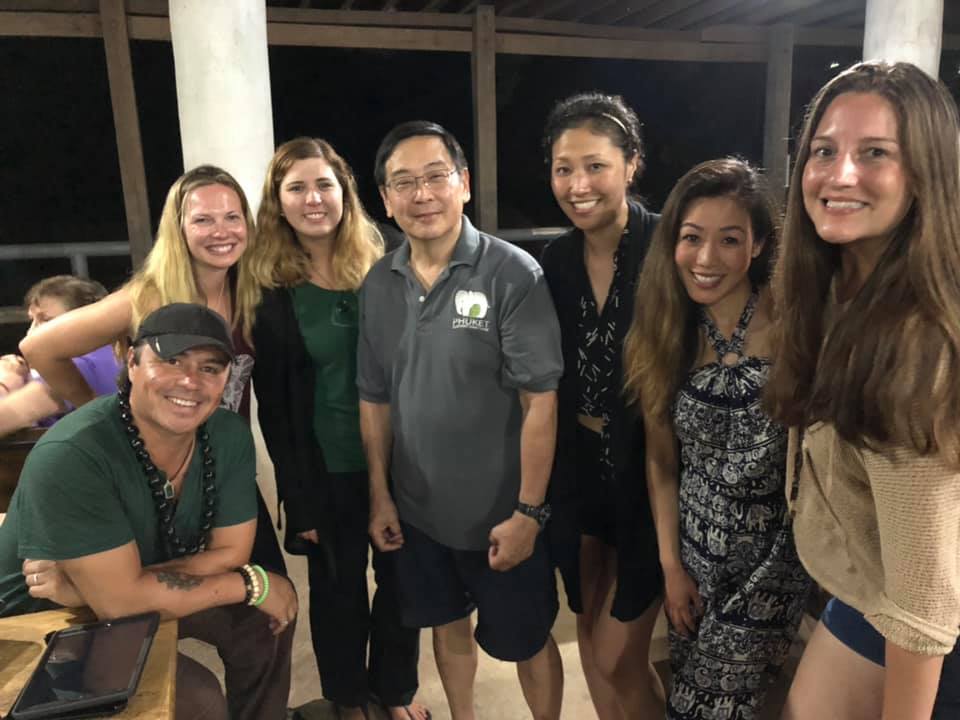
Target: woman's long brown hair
x,y
887,369
278,254
663,341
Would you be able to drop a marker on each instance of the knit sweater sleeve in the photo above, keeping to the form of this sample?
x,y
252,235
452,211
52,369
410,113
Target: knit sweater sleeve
x,y
918,518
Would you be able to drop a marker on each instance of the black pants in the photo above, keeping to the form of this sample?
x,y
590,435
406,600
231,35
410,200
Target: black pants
x,y
342,621
266,548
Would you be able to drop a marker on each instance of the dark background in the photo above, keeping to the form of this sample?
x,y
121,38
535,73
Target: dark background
x,y
59,172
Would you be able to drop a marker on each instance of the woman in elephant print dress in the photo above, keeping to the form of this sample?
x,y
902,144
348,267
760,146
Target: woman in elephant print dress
x,y
735,589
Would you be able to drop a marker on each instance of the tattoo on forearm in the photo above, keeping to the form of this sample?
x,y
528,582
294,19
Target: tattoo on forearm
x,y
177,580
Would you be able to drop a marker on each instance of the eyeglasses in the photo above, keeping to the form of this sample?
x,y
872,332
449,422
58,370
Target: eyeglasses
x,y
436,180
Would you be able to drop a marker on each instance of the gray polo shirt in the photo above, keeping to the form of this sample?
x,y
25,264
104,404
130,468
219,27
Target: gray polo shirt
x,y
450,361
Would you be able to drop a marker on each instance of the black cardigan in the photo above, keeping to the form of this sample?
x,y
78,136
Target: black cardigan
x,y
562,261
283,378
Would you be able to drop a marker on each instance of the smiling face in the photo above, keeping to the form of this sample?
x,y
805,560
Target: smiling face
x,y
855,187
715,248
44,309
429,213
214,227
589,177
173,397
311,199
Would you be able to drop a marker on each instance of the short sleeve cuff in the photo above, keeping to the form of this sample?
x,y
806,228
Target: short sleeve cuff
x,y
539,385
912,633
373,396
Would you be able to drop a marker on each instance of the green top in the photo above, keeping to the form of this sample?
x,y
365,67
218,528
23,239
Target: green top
x,y
328,323
82,491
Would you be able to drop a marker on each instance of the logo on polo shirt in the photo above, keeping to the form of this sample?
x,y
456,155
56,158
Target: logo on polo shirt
x,y
472,307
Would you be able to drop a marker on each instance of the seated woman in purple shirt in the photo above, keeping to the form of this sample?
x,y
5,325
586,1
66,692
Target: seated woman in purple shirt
x,y
25,399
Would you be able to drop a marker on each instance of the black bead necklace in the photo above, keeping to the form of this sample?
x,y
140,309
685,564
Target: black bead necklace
x,y
162,491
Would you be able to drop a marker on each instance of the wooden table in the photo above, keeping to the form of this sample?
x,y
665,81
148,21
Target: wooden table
x,y
21,644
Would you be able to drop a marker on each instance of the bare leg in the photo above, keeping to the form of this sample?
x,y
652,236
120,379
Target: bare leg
x,y
622,650
832,681
541,679
597,569
455,651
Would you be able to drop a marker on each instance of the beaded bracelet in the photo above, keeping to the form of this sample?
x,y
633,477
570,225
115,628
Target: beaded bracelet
x,y
256,590
266,585
247,583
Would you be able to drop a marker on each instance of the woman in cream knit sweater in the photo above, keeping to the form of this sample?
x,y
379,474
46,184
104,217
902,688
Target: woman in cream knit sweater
x,y
868,287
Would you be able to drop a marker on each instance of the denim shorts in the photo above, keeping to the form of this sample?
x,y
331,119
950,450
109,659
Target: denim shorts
x,y
852,629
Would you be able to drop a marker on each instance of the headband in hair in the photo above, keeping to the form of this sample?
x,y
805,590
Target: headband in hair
x,y
616,121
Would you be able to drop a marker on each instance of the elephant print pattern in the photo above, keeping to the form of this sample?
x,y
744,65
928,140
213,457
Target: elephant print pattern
x,y
735,537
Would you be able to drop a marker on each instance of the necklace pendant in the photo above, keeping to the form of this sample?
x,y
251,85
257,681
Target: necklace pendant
x,y
168,492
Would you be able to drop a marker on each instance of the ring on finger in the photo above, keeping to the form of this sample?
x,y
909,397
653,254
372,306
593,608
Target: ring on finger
x,y
36,578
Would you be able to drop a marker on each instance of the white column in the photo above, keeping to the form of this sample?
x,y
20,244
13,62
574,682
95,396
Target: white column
x,y
904,30
223,87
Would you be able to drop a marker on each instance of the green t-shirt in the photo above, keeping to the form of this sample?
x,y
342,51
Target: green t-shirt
x,y
328,323
82,491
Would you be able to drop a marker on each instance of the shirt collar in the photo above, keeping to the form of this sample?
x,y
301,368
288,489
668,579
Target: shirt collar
x,y
465,252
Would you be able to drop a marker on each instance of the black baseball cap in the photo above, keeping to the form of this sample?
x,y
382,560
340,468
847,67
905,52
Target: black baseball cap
x,y
178,327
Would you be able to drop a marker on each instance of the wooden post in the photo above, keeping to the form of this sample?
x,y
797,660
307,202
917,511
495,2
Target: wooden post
x,y
484,72
123,97
776,125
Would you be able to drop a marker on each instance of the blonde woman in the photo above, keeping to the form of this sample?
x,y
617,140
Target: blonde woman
x,y
200,255
315,235
866,373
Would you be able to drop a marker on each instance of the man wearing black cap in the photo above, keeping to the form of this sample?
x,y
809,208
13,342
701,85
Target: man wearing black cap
x,y
146,501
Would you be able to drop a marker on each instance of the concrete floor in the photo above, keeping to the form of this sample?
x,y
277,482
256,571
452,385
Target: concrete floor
x,y
498,695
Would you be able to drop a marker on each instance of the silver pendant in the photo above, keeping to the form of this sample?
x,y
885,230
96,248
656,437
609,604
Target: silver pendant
x,y
168,492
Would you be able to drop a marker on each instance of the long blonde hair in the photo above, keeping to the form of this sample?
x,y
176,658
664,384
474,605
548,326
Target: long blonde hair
x,y
280,256
662,343
168,274
887,370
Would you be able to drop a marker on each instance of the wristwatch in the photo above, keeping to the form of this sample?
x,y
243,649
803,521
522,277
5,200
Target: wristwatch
x,y
540,513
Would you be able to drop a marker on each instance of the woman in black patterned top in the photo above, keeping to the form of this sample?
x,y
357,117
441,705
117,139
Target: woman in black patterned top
x,y
601,534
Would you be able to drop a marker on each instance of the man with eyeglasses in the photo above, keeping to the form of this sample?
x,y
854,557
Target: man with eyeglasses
x,y
458,363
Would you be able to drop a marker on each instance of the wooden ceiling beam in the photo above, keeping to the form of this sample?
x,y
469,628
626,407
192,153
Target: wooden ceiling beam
x,y
731,16
827,11
369,18
589,8
49,24
509,7
660,11
545,8
613,13
516,44
778,10
64,6
695,15
532,26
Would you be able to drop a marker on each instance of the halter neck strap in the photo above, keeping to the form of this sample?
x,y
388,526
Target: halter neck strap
x,y
720,344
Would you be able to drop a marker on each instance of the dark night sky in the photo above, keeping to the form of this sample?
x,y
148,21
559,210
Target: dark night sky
x,y
58,158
